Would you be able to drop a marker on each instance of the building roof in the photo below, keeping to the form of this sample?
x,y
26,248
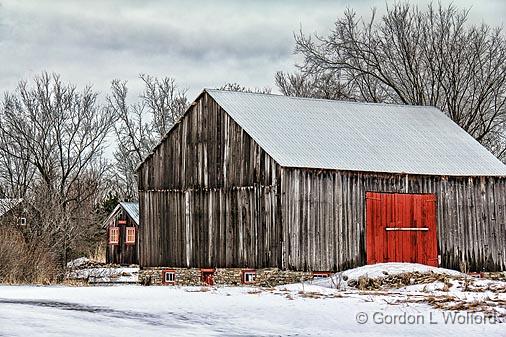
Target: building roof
x,y
328,134
132,209
8,204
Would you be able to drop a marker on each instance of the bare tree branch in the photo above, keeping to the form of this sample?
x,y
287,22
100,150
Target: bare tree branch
x,y
141,125
412,56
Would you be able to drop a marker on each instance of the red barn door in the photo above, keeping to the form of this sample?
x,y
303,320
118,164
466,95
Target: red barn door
x,y
401,228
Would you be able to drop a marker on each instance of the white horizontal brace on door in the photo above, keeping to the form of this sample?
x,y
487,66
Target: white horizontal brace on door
x,y
406,228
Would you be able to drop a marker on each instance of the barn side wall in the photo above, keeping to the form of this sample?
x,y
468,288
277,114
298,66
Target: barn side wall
x,y
209,196
324,217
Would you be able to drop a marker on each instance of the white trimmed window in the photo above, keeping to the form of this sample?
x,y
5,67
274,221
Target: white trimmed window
x,y
249,276
22,221
113,235
130,235
169,276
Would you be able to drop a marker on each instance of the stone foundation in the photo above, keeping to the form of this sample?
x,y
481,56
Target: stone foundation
x,y
229,276
184,276
273,277
267,277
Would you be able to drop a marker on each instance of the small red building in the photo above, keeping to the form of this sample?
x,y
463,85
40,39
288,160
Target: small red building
x,y
122,234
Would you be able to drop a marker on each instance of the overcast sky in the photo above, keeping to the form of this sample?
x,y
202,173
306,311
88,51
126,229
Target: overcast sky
x,y
200,44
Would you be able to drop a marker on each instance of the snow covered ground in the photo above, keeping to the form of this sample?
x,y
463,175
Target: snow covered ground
x,y
292,310
397,299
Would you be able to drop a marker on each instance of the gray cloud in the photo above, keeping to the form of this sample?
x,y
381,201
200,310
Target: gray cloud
x,y
201,44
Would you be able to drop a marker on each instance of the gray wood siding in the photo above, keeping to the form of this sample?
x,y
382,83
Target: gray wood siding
x,y
208,196
324,217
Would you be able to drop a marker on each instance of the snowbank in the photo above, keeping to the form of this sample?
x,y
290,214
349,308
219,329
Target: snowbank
x,y
90,271
350,277
395,268
79,262
105,275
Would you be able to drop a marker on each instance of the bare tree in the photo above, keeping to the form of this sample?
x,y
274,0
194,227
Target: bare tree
x,y
16,174
319,85
141,125
57,134
57,129
165,101
414,56
134,137
237,87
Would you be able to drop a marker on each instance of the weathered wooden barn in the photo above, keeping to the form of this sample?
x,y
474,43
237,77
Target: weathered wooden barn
x,y
255,181
123,234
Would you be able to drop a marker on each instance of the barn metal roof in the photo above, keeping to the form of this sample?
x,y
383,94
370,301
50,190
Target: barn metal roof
x,y
317,133
132,208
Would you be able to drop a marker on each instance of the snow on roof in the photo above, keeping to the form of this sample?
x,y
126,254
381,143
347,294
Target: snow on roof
x,y
328,134
8,204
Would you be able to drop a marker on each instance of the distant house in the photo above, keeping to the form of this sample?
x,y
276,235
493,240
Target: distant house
x,y
258,181
122,234
13,212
